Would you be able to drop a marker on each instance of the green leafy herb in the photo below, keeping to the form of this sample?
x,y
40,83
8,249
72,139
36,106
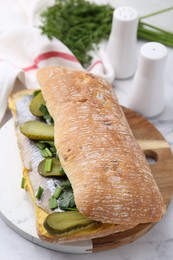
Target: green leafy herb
x,y
66,185
39,192
61,170
45,113
53,150
79,24
69,209
67,200
41,145
45,142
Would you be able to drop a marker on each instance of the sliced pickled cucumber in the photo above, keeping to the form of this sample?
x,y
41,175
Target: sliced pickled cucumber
x,y
55,169
61,222
36,103
36,130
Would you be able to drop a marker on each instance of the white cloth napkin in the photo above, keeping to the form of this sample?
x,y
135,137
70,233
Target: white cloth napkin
x,y
23,49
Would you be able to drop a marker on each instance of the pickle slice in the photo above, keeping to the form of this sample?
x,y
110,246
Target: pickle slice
x,y
61,222
56,169
36,130
36,103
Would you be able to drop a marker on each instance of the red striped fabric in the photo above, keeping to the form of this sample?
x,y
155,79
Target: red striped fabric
x,y
48,55
94,64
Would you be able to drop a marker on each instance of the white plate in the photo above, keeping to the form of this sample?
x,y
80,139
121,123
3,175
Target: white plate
x,y
15,205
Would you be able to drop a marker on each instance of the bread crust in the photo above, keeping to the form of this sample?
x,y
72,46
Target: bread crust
x,y
93,231
110,176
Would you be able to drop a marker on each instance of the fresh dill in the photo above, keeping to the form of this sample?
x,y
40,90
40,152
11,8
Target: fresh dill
x,y
79,24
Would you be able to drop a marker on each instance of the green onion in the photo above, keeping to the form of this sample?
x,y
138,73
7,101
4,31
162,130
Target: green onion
x,y
39,192
44,153
53,203
22,183
41,146
152,33
48,165
51,143
48,152
57,192
47,148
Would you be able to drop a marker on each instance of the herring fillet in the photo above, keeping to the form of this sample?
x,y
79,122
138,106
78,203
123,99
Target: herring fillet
x,y
31,156
110,176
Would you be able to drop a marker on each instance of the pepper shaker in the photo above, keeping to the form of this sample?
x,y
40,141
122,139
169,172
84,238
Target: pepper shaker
x,y
147,92
121,48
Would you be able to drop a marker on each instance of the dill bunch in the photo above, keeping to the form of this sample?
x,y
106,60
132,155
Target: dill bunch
x,y
79,24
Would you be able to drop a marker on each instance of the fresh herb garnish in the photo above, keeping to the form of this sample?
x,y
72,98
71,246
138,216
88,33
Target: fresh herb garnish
x,y
61,170
79,24
23,183
44,153
48,165
153,33
57,192
41,146
66,200
45,142
53,203
66,185
39,192
49,153
47,148
46,114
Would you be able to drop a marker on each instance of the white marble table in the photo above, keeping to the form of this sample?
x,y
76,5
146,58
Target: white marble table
x,y
157,244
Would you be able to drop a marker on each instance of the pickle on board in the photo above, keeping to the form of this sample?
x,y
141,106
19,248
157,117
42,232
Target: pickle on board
x,y
55,171
61,222
37,130
36,103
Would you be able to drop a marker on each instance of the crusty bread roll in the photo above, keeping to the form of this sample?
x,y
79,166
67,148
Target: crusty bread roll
x,y
110,176
92,231
111,179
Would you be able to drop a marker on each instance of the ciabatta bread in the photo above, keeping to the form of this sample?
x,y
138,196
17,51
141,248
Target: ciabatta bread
x,y
110,176
21,112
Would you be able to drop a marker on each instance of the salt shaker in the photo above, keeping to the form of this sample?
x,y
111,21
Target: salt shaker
x,y
147,91
121,48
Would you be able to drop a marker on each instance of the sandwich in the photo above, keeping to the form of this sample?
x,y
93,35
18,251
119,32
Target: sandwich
x,y
83,168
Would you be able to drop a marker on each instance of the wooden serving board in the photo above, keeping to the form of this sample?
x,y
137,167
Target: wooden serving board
x,y
21,217
157,149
